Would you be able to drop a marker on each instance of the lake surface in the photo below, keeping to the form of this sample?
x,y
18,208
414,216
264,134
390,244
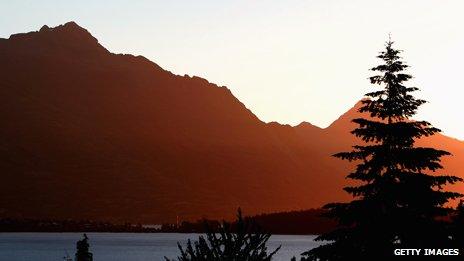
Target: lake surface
x,y
122,246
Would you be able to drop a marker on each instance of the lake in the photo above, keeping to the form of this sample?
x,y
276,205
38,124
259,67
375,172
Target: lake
x,y
122,246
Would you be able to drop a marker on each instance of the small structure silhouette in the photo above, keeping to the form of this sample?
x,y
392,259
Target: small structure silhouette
x,y
82,247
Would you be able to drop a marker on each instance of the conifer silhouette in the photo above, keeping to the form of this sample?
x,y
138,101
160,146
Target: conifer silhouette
x,y
242,241
399,200
83,253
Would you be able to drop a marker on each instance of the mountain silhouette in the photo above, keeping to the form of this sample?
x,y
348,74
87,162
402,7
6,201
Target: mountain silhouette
x,y
88,134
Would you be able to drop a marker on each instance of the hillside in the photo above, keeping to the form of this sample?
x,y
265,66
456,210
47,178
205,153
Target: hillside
x,y
91,134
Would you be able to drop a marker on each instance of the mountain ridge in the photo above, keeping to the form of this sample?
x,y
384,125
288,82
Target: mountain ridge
x,y
91,134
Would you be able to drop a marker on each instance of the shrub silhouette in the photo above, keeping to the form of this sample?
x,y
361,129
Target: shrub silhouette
x,y
83,253
400,201
242,241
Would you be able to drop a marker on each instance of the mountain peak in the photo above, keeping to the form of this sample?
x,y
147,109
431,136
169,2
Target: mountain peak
x,y
44,28
67,28
306,125
72,28
346,118
72,24
69,38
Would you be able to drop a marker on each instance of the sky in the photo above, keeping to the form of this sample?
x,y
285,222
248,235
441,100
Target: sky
x,y
287,61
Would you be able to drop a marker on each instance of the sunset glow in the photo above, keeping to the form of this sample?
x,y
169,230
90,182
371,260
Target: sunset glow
x,y
287,61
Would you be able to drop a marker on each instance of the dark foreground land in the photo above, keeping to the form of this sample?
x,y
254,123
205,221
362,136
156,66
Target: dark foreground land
x,y
305,222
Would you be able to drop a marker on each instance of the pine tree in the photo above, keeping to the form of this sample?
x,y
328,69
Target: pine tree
x,y
83,253
398,199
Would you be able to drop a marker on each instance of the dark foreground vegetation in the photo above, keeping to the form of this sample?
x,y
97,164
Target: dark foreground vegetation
x,y
399,197
83,250
242,240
